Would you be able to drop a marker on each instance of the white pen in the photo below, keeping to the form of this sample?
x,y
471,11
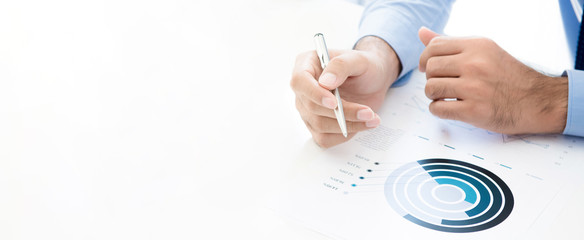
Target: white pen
x,y
323,56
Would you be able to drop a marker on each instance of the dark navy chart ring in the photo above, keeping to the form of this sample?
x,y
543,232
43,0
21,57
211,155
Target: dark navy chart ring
x,y
449,195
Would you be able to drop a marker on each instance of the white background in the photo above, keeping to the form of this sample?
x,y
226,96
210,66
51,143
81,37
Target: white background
x,y
174,119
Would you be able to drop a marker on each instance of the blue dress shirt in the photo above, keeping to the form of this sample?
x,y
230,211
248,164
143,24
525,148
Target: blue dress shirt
x,y
397,22
572,20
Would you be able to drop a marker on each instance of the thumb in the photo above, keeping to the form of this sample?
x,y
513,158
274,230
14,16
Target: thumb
x,y
341,67
426,35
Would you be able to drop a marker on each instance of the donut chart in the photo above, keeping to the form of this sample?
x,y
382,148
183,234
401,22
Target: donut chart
x,y
448,195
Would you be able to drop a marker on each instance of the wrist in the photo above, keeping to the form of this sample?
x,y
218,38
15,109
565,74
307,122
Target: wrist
x,y
552,103
388,59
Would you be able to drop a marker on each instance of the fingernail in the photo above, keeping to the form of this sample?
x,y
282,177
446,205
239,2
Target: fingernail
x,y
365,114
329,102
373,123
328,79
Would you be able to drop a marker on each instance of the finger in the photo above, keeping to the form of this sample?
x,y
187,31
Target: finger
x,y
327,140
426,35
353,111
443,66
342,67
322,124
441,88
306,86
454,110
441,46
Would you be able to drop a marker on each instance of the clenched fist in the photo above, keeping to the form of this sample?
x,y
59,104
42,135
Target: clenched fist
x,y
494,90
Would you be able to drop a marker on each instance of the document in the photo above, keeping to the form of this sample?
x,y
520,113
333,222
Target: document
x,y
419,176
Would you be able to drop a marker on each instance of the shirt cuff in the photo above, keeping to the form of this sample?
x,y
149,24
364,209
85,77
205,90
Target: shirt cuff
x,y
575,117
404,41
398,22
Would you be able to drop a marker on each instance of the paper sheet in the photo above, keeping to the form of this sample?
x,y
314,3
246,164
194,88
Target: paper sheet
x,y
419,176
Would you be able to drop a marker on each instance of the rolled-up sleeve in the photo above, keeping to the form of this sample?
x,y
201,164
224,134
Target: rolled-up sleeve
x,y
397,22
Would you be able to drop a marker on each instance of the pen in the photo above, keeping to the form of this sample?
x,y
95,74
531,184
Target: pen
x,y
323,56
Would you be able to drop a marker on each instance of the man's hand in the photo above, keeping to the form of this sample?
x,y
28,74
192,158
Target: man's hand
x,y
362,76
494,90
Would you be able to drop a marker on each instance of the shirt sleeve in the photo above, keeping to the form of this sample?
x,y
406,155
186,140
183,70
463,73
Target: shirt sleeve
x,y
575,117
398,21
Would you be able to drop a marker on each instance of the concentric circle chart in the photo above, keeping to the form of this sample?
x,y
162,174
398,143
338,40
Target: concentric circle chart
x,y
449,195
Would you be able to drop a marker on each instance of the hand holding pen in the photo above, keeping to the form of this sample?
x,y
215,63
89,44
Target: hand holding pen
x,y
362,76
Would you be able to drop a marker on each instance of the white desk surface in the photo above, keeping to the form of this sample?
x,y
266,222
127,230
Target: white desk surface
x,y
174,119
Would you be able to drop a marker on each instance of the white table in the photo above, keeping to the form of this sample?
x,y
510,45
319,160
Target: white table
x,y
174,119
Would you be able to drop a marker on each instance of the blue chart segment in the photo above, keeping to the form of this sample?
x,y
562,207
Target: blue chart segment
x,y
449,195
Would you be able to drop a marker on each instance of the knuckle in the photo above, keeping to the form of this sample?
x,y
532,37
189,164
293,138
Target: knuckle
x,y
474,66
441,112
432,108
318,124
422,61
436,41
307,125
320,139
433,90
354,126
338,61
425,55
429,89
431,63
313,92
312,107
295,80
298,105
